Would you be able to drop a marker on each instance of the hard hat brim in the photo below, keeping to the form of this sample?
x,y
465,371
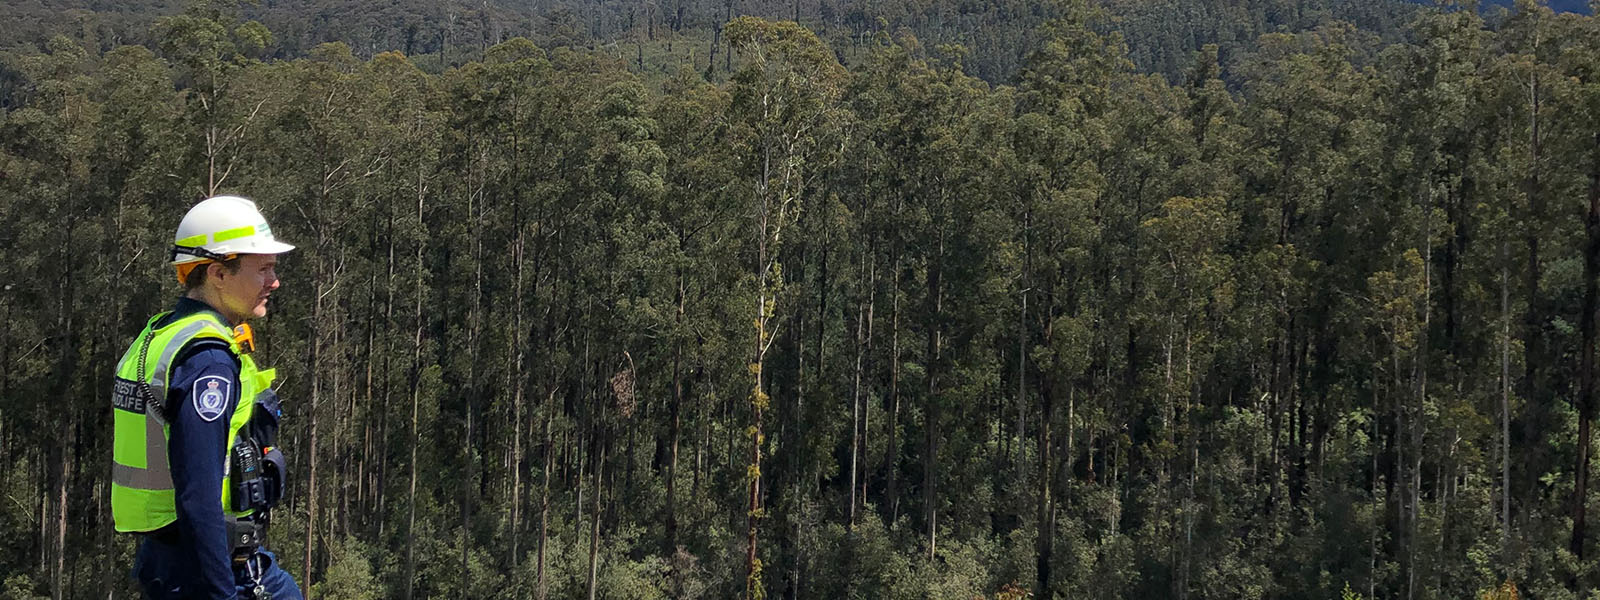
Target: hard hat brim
x,y
255,247
269,247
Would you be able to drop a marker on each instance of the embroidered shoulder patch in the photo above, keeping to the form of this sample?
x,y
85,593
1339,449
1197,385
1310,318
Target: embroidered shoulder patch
x,y
211,396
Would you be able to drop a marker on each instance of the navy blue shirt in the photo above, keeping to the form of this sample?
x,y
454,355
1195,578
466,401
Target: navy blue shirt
x,y
201,393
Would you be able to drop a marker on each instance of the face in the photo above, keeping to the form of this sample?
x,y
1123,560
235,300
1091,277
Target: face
x,y
243,295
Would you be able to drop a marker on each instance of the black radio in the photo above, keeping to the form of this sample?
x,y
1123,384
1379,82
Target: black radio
x,y
249,491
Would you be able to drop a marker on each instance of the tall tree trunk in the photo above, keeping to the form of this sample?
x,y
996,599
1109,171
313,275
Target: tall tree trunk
x,y
381,473
1044,546
866,408
519,335
416,441
758,401
416,402
1505,403
1026,283
1372,491
891,451
1165,468
311,446
475,210
594,522
585,433
1586,371
930,455
716,40
676,427
1395,484
364,488
1534,230
57,589
544,497
857,394
518,384
727,57
1419,367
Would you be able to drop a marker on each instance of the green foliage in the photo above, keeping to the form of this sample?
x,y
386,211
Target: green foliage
x,y
19,587
349,575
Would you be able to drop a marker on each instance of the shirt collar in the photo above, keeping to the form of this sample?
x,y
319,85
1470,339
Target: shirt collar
x,y
187,306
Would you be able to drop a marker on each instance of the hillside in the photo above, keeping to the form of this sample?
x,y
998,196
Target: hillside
x,y
1161,35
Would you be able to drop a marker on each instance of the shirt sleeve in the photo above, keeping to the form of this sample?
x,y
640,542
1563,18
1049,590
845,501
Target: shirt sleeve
x,y
204,389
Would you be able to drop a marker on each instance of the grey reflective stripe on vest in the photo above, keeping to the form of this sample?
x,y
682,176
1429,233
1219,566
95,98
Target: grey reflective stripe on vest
x,y
157,474
157,479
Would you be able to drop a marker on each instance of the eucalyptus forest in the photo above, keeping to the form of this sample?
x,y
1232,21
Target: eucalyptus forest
x,y
1308,313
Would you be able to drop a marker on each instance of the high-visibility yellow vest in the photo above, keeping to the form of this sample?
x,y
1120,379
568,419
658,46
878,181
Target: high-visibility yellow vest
x,y
142,494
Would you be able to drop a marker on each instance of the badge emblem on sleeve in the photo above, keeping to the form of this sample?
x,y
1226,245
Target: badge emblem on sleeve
x,y
211,396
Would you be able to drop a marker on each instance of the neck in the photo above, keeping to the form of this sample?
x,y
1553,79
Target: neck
x,y
205,296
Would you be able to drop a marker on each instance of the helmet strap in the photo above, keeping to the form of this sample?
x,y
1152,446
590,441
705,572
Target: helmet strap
x,y
196,251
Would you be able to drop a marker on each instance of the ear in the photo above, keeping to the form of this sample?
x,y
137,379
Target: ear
x,y
215,272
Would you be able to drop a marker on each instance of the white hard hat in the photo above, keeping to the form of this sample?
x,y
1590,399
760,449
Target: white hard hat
x,y
220,226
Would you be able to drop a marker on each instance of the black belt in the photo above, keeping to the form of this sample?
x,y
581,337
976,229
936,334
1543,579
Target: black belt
x,y
168,535
244,535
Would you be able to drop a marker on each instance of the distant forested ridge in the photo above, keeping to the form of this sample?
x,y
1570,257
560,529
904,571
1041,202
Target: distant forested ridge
x,y
1573,6
662,34
1313,317
665,33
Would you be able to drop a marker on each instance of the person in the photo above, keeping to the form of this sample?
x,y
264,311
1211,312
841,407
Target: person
x,y
196,467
